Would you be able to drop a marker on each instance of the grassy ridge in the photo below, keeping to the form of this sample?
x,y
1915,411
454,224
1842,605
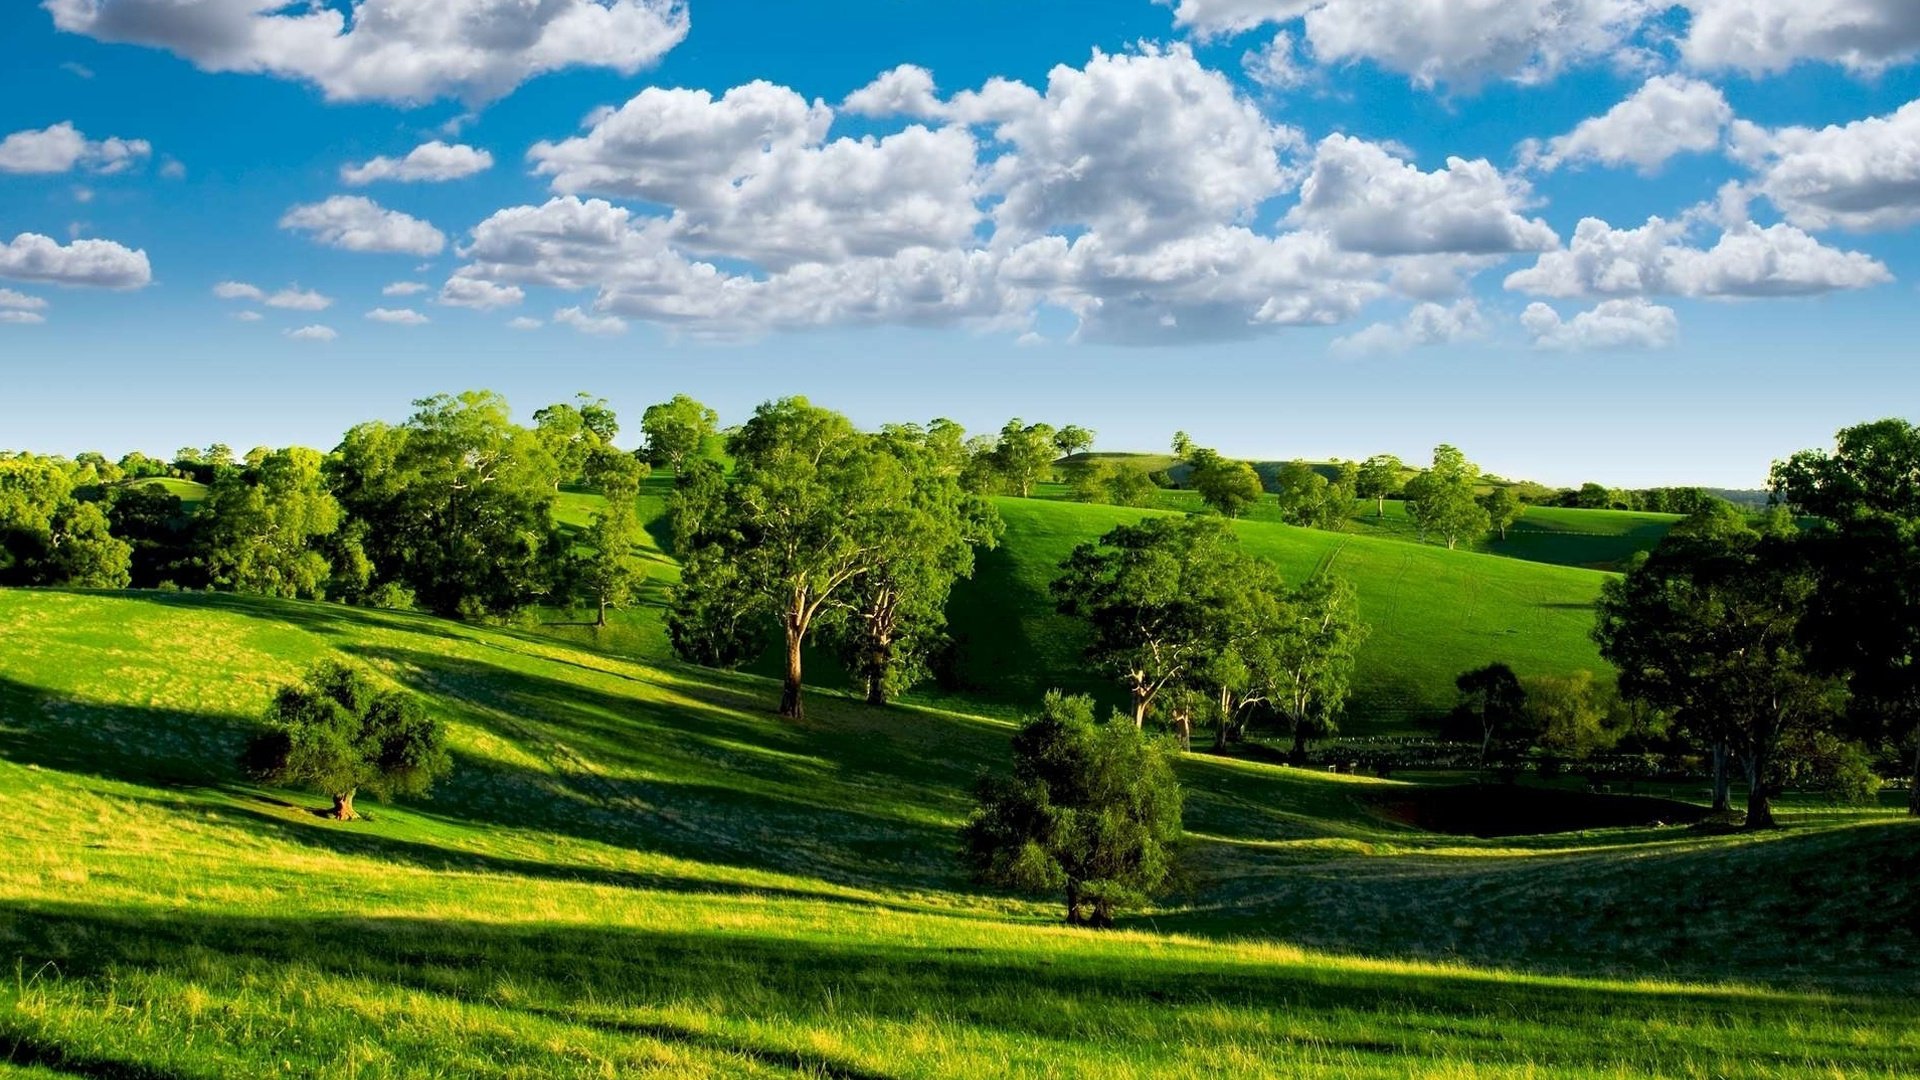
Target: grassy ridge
x,y
1433,613
637,870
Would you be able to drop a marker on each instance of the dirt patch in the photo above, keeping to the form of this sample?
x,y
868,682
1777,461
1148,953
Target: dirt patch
x,y
1489,810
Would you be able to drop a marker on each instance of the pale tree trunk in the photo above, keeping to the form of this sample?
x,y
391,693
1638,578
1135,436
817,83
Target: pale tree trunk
x,y
343,807
1380,506
1183,727
602,620
1141,698
790,706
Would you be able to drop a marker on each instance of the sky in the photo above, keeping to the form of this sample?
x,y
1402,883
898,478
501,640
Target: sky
x,y
1630,241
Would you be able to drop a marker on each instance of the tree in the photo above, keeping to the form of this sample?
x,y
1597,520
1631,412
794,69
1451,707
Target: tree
x,y
155,524
1073,439
261,529
1441,500
1090,481
676,429
1302,494
1092,812
48,537
338,732
1503,509
1866,618
896,610
609,574
1312,658
1380,478
1131,487
457,504
1023,454
1712,629
1182,445
1227,486
1153,594
799,522
1570,714
573,433
1493,697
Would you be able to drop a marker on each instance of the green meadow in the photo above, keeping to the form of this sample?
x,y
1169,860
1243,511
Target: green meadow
x,y
636,869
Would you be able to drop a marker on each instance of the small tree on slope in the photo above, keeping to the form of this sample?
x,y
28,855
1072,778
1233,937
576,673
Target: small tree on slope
x,y
1092,812
339,733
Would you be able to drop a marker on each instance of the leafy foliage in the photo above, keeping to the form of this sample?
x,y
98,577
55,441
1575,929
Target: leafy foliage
x,y
338,732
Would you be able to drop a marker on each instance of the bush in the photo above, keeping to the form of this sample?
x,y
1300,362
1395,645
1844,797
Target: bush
x,y
338,732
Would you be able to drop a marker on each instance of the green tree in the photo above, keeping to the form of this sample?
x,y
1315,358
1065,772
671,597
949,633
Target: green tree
x,y
457,504
609,574
788,536
261,530
1380,478
1024,454
1153,594
1227,486
339,733
1131,487
1092,813
1441,500
1090,481
1302,494
48,537
676,429
155,524
573,433
1571,714
1494,699
1073,439
1502,508
1312,657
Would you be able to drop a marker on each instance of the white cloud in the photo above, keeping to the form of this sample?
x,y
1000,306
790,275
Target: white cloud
x,y
1670,115
19,301
315,332
62,148
1613,324
1426,324
173,169
404,288
1860,176
904,91
1655,260
238,290
248,316
468,291
398,316
1459,42
357,223
1373,202
522,322
1765,36
434,161
1275,65
396,50
98,263
590,324
294,298
21,318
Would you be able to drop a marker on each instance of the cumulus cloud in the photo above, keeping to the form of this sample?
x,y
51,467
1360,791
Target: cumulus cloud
x,y
907,90
238,290
1426,324
97,263
21,318
315,332
431,162
1457,42
398,316
357,223
1656,260
603,325
248,316
1670,115
1371,201
407,51
469,291
522,322
291,298
1860,176
1764,36
1275,65
403,288
62,148
1613,324
19,301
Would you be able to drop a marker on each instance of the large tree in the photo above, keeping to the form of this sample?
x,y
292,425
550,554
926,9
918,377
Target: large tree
x,y
339,732
896,610
1312,658
574,433
609,574
1073,439
1380,478
49,537
1493,698
1092,813
262,529
457,504
1024,454
1503,509
1442,499
675,430
1154,594
788,535
1866,619
1227,486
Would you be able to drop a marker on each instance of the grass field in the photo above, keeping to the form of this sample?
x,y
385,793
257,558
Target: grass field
x,y
191,493
637,870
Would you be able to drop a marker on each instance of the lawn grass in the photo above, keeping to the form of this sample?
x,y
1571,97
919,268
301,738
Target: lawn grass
x,y
636,869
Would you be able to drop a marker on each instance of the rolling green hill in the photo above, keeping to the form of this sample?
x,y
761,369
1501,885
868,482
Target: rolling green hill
x,y
637,870
1433,613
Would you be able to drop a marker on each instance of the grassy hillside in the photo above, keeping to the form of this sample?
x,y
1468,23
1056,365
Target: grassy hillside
x,y
1434,613
637,870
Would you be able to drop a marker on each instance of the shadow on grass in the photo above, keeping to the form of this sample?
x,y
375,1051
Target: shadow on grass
x,y
30,1053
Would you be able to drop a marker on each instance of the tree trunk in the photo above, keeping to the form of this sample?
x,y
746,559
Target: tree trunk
x,y
1913,782
1721,803
1759,809
602,620
343,807
877,673
1380,506
1183,728
1073,902
1140,699
1486,742
1299,755
790,706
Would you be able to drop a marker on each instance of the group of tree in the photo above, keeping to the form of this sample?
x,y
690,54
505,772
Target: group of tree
x,y
1197,630
1594,496
1791,651
823,530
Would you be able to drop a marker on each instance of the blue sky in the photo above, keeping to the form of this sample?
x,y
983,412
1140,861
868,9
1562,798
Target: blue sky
x,y
1291,227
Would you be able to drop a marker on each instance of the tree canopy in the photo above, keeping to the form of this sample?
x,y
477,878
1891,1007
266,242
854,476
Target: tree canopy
x,y
338,732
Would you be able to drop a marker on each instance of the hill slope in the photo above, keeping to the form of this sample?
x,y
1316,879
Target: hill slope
x,y
637,870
